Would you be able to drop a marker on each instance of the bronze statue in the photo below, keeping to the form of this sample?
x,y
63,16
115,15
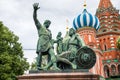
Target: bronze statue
x,y
80,54
59,43
44,45
72,51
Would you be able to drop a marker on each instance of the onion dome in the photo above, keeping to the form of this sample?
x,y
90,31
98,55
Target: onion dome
x,y
86,20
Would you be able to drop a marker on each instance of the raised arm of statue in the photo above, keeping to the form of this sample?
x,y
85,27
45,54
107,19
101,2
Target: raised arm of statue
x,y
37,23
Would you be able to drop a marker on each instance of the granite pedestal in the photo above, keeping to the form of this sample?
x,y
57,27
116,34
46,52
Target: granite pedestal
x,y
60,76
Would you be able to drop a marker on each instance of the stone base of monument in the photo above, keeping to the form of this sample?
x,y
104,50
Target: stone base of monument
x,y
73,75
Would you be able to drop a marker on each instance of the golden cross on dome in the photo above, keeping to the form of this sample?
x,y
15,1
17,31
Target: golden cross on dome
x,y
85,4
67,23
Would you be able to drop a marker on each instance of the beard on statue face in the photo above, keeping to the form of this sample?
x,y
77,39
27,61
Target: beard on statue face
x,y
47,25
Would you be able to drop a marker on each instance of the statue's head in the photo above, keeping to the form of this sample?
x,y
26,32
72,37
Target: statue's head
x,y
47,23
59,34
71,31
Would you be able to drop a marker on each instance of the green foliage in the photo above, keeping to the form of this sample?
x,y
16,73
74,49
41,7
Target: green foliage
x,y
33,65
118,43
119,17
12,62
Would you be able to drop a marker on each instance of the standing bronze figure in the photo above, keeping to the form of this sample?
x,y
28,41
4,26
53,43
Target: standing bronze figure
x,y
44,45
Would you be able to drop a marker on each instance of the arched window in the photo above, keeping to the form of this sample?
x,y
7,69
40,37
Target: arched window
x,y
104,30
105,47
89,37
113,69
115,29
119,69
106,71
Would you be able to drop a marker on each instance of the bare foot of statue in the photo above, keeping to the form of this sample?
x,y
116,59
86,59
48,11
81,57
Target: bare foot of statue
x,y
74,66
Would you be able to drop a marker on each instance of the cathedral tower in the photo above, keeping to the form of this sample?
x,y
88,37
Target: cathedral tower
x,y
107,35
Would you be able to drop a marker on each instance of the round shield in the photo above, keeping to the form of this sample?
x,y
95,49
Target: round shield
x,y
85,58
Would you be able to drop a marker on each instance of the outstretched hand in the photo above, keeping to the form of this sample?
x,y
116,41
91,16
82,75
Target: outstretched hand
x,y
35,6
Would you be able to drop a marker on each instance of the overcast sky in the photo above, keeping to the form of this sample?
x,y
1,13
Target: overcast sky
x,y
17,15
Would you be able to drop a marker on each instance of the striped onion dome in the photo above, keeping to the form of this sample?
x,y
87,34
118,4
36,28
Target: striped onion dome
x,y
86,20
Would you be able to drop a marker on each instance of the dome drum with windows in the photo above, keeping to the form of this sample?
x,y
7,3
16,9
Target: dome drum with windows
x,y
86,20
